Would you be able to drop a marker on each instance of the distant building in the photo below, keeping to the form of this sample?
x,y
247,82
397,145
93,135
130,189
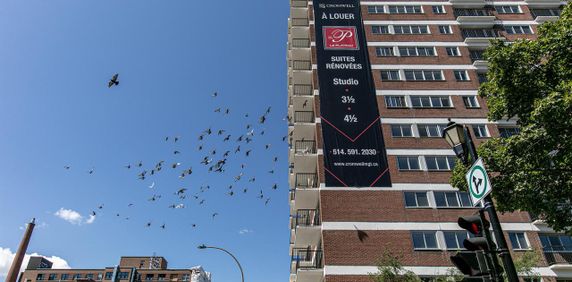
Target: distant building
x,y
132,269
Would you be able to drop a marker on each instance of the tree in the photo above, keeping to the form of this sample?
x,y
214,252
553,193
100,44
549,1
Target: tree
x,y
390,269
531,81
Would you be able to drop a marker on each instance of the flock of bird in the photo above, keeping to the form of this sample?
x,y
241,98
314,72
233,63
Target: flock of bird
x,y
229,150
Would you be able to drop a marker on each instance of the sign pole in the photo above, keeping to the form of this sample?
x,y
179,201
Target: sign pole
x,y
495,223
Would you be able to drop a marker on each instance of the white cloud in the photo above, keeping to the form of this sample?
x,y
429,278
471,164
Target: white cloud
x,y
73,217
6,257
245,231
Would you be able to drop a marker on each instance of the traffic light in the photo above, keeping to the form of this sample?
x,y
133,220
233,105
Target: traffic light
x,y
476,263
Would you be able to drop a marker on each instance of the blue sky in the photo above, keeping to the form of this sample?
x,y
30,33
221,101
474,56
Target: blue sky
x,y
56,110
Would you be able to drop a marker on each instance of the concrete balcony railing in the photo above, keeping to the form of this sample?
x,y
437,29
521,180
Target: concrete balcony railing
x,y
300,43
299,3
302,89
304,147
306,259
300,22
306,180
302,65
304,116
306,217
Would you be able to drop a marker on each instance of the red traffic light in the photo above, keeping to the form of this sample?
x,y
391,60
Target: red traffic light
x,y
474,224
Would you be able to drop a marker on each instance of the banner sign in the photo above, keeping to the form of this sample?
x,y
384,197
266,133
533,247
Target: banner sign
x,y
354,150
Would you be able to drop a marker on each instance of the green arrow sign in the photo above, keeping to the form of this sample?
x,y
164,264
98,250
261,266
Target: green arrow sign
x,y
479,183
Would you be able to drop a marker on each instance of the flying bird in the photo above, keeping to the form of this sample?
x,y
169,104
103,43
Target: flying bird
x,y
113,81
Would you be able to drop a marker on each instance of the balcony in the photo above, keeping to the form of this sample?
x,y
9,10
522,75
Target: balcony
x,y
478,59
299,4
306,218
546,4
304,116
300,21
304,147
557,257
305,228
480,37
306,180
544,15
300,43
302,89
467,3
306,259
302,65
475,18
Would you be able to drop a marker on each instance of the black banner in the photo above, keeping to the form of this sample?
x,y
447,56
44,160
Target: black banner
x,y
354,150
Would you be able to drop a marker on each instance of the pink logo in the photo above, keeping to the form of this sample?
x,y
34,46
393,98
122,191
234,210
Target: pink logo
x,y
340,38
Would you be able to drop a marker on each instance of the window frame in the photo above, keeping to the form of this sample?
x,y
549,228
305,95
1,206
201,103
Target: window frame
x,y
409,162
514,234
416,197
424,233
456,52
518,29
459,198
395,98
381,29
505,12
390,75
425,74
401,127
440,9
431,100
379,53
449,161
477,126
459,244
410,29
445,29
512,130
373,9
404,9
461,75
468,102
417,51
439,128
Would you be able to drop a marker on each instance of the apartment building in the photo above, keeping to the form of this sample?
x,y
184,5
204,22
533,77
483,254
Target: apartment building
x,y
371,85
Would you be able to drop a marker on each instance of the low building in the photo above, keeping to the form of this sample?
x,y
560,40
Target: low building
x,y
132,269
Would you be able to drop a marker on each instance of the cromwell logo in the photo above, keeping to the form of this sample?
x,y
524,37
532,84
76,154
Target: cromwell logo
x,y
340,38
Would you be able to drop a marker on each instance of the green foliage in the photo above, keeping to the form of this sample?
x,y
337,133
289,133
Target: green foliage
x,y
524,264
390,269
532,80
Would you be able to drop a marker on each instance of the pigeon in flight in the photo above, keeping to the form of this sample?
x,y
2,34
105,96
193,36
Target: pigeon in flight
x,y
113,81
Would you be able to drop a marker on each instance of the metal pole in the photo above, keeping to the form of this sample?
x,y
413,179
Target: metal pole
x,y
19,257
502,246
233,257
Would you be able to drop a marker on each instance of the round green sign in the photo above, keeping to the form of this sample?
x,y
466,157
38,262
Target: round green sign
x,y
473,181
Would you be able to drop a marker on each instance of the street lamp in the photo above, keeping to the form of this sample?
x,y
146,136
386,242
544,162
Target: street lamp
x,y
460,140
203,246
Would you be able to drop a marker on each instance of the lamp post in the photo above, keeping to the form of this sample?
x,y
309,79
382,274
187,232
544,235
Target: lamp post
x,y
459,138
203,246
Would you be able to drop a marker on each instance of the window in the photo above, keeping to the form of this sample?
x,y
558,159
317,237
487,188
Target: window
x,y
416,51
52,276
477,55
440,162
438,9
161,277
40,276
461,75
65,276
470,102
506,132
454,239
430,102
453,51
453,199
556,243
480,130
76,276
482,77
445,29
416,199
380,29
384,51
507,9
424,240
186,277
89,276
423,75
408,163
389,75
395,101
123,275
149,277
108,275
472,32
545,12
401,130
100,276
393,9
518,29
375,9
431,130
518,241
411,29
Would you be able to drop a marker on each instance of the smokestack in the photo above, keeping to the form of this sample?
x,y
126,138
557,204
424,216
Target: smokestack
x,y
17,262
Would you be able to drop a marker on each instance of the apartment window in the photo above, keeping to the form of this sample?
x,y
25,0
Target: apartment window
x,y
186,277
506,132
461,75
423,75
545,12
40,276
480,130
470,102
89,276
416,199
431,130
65,276
380,29
424,240
518,241
161,277
438,9
453,51
401,130
389,75
479,33
556,243
395,101
477,55
123,275
440,162
411,29
430,102
52,276
518,29
416,51
408,163
445,29
108,275
100,276
508,9
454,239
149,277
76,276
482,77
402,9
453,199
384,51
375,9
